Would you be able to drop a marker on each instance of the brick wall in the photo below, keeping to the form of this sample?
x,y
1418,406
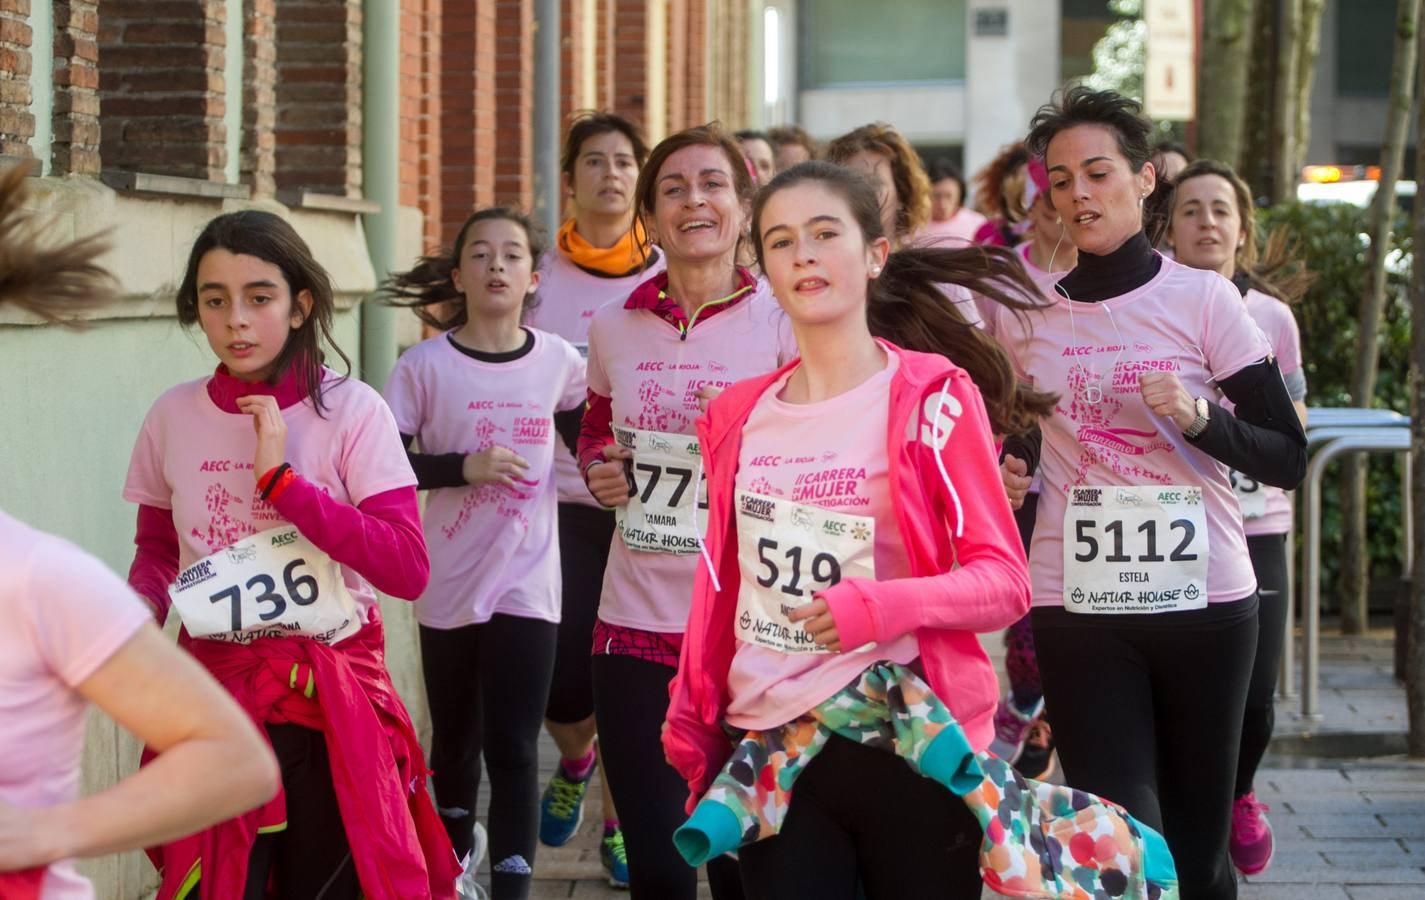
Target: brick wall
x,y
467,121
161,86
17,123
257,165
75,147
421,111
514,102
628,59
318,125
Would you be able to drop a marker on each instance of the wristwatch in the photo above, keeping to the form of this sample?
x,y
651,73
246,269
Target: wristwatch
x,y
1199,425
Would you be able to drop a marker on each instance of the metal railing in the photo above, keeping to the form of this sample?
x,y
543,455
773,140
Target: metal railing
x,y
1335,432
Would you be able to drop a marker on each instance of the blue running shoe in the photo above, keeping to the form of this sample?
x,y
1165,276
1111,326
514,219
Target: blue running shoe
x,y
561,809
614,858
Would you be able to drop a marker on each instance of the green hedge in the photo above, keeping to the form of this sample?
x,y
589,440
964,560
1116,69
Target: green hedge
x,y
1331,241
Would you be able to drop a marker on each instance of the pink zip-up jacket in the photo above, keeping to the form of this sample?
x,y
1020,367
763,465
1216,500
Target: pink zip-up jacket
x,y
969,568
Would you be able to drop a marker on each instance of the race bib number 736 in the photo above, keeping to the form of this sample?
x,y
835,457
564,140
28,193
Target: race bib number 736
x,y
275,583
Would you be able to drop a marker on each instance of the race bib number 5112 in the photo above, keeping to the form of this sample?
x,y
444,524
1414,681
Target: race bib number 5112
x,y
1135,549
275,583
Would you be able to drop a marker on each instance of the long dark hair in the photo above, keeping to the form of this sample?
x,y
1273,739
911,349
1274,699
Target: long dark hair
x,y
427,289
56,282
906,306
268,237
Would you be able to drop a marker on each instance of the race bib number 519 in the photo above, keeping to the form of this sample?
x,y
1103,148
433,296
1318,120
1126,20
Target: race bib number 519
x,y
275,583
1135,549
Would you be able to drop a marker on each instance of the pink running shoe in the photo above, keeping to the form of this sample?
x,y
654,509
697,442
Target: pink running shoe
x,y
1012,728
1252,844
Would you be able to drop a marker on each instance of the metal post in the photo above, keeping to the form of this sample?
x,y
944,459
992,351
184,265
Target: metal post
x,y
380,154
1395,439
546,114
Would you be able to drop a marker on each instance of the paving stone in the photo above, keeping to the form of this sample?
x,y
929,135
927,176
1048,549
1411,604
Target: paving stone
x,y
1254,891
1338,875
1379,892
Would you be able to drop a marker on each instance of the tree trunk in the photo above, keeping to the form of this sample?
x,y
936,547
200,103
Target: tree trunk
x,y
1256,166
1307,49
1415,629
1222,78
1284,116
1363,378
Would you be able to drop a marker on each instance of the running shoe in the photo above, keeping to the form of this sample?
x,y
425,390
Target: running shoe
x,y
466,887
561,809
1252,844
1037,759
1012,727
614,858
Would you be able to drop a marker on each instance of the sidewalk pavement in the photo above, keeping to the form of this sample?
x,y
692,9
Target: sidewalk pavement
x,y
1349,822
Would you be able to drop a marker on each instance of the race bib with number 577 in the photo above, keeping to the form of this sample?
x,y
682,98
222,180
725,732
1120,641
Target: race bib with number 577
x,y
1135,549
275,583
667,509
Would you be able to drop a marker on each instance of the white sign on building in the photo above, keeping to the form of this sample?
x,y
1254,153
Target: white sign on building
x,y
1169,76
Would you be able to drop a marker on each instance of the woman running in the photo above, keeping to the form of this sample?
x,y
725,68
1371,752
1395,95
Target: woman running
x,y
481,399
952,221
600,254
1213,228
654,360
274,501
1145,605
75,634
850,564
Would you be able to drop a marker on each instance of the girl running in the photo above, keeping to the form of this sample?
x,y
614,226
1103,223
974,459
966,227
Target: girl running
x,y
654,359
74,635
481,399
600,254
274,501
1138,559
1212,228
849,564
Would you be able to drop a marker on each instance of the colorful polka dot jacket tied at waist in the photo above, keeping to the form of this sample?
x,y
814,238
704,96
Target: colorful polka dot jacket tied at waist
x,y
1041,840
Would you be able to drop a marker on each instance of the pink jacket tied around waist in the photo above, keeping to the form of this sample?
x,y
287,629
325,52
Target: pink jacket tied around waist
x,y
969,572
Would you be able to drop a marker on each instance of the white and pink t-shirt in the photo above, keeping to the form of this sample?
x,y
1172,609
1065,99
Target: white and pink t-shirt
x,y
568,298
1279,325
195,459
652,373
805,453
1185,321
958,230
65,615
492,549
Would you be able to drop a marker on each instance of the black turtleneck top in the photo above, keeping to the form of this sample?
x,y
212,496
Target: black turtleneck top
x,y
1264,439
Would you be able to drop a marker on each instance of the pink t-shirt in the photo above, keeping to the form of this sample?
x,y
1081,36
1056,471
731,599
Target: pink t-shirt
x,y
195,459
568,297
492,549
652,375
65,615
958,229
1186,321
1279,325
805,453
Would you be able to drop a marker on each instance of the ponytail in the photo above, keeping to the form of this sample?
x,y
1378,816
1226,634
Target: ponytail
x,y
58,283
907,307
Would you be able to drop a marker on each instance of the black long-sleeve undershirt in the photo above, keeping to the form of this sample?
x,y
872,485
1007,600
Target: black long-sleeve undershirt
x,y
1263,439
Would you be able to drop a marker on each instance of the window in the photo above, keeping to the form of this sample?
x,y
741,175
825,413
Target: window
x,y
1365,47
846,42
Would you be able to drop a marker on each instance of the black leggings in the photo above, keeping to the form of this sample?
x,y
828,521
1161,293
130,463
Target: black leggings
x,y
309,858
1269,560
1148,713
861,815
585,534
486,685
630,703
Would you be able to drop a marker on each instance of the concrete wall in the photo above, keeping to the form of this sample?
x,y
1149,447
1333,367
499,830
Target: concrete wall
x,y
72,403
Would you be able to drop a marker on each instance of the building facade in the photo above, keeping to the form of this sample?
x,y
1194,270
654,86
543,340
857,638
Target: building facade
x,y
145,118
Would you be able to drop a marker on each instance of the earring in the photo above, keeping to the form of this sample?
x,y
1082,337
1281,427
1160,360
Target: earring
x,y
875,270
